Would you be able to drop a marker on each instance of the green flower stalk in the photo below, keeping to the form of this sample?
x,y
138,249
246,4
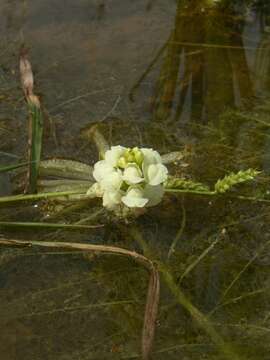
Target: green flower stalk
x,y
225,184
183,184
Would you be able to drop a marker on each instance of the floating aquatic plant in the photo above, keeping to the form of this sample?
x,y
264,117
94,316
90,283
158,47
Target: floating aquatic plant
x,y
129,177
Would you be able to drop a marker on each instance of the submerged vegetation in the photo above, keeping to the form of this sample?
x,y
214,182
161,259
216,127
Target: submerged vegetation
x,y
73,279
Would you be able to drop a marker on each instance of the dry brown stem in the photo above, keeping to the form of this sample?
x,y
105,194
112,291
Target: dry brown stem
x,y
27,77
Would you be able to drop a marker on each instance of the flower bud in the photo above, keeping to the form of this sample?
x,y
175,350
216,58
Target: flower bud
x,y
129,156
122,162
138,155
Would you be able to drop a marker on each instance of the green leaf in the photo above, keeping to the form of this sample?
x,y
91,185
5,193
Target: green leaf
x,y
66,169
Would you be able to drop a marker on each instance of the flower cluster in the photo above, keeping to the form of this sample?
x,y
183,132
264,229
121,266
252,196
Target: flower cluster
x,y
133,177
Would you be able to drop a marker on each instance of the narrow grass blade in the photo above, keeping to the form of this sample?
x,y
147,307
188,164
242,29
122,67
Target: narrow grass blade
x,y
13,167
35,121
35,142
43,225
34,197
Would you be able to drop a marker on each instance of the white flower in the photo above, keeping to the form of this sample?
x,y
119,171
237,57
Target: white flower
x,y
107,176
102,169
154,171
155,174
111,198
113,155
135,197
112,181
140,171
151,156
154,194
95,190
132,174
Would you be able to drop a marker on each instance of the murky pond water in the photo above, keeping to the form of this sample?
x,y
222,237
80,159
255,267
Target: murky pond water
x,y
183,75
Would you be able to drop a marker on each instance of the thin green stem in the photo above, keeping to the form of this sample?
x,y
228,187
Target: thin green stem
x,y
78,308
179,232
215,193
33,197
250,198
238,298
13,167
200,258
196,192
237,277
43,225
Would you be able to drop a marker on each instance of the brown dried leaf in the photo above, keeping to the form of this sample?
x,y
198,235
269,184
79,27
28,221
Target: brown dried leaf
x,y
94,134
27,77
34,100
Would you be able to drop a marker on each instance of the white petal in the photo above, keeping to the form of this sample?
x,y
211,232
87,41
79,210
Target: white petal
x,y
132,174
95,190
154,194
113,155
151,156
111,199
134,198
154,171
101,170
112,181
156,174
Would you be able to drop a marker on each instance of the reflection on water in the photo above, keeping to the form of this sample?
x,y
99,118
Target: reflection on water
x,y
190,75
205,65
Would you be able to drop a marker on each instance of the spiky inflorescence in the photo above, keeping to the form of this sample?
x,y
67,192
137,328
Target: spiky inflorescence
x,y
232,179
183,184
